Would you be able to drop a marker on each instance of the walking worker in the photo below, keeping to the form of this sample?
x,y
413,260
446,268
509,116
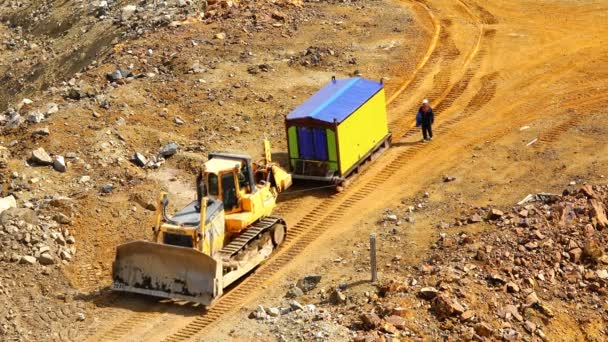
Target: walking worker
x,y
425,118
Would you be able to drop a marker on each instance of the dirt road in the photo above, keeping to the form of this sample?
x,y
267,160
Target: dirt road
x,y
488,71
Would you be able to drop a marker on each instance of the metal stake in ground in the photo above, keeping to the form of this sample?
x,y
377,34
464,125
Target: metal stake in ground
x,y
372,257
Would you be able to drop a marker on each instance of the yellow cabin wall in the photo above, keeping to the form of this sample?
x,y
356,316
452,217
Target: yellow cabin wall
x,y
362,130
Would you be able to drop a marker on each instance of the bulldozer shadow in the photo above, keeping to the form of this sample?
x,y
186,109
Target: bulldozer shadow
x,y
106,298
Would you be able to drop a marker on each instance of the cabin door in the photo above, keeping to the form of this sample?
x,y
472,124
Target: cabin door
x,y
312,143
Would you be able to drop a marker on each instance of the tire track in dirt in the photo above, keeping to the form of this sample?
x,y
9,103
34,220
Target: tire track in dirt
x,y
425,59
575,119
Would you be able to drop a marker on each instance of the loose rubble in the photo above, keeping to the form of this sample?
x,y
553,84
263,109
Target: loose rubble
x,y
536,262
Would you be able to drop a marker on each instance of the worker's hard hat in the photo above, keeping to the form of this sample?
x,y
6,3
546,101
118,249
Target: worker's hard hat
x,y
425,101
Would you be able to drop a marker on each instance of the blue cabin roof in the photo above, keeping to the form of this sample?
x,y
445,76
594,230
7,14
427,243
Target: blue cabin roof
x,y
337,100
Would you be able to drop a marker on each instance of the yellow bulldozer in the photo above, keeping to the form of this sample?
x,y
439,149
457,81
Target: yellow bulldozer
x,y
223,234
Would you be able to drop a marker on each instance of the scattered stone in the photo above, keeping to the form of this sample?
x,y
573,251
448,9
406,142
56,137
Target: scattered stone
x,y
530,327
467,315
428,293
575,255
391,218
220,36
81,317
127,12
475,218
35,117
27,259
447,179
42,131
65,255
532,298
273,312
494,214
444,306
512,287
370,321
169,149
295,306
18,214
40,157
258,313
337,297
483,329
59,164
139,160
7,203
397,321
46,259
61,218
294,292
51,108
309,282
107,188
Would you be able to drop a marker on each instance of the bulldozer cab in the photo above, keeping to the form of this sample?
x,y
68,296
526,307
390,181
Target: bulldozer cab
x,y
229,177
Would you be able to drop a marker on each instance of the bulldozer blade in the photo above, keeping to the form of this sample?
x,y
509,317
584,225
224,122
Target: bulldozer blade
x,y
167,271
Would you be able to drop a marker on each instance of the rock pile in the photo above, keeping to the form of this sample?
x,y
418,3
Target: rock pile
x,y
544,258
540,261
28,239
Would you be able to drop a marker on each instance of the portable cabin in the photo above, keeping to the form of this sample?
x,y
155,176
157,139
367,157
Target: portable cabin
x,y
337,129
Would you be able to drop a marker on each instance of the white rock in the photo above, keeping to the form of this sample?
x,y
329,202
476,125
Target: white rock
x,y
51,108
35,117
46,259
273,312
59,164
391,217
7,202
127,12
27,259
39,156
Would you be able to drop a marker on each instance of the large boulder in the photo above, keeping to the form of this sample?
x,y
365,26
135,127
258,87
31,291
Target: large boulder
x,y
18,214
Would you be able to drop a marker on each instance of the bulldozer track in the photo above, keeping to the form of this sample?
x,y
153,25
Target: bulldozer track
x,y
89,276
451,94
424,61
329,210
575,119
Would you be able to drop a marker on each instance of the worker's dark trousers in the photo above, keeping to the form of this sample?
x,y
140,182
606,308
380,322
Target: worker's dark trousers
x,y
427,131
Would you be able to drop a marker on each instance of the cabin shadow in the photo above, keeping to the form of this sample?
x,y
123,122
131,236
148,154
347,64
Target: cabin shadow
x,y
306,188
405,143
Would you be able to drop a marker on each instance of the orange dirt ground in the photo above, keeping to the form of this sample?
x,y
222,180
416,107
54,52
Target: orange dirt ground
x,y
489,68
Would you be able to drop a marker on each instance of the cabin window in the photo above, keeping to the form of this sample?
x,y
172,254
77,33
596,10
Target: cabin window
x,y
229,196
213,185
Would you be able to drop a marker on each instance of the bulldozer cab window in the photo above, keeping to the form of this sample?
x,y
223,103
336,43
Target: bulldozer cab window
x,y
213,185
243,177
229,192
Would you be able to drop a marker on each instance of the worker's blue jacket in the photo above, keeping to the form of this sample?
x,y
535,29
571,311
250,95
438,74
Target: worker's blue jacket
x,y
425,119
